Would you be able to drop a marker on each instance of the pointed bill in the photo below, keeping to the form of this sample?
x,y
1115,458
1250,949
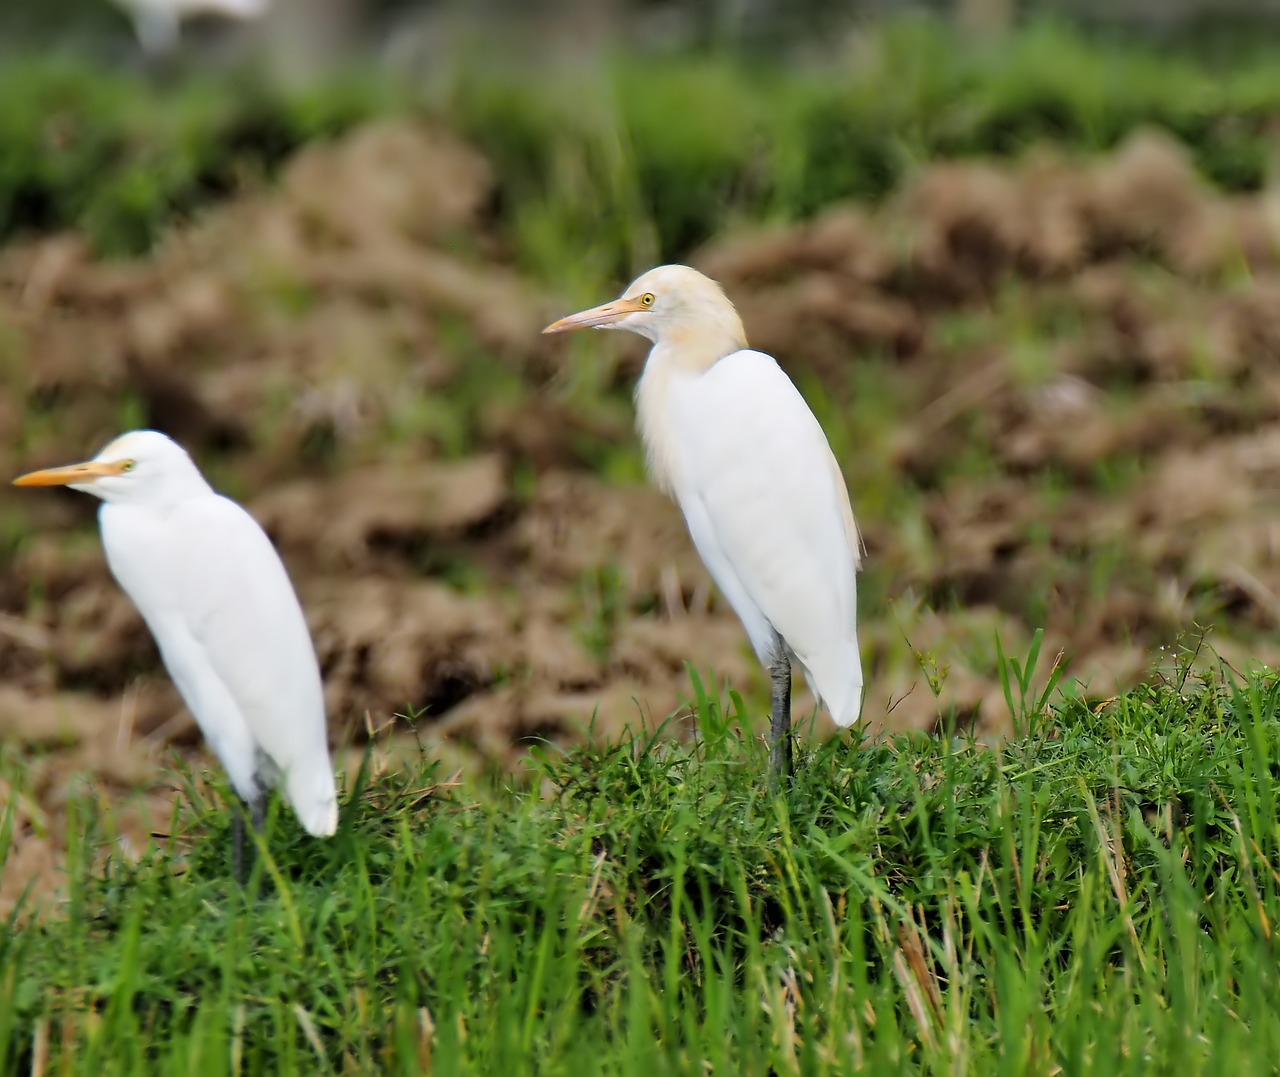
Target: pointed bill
x,y
72,473
597,316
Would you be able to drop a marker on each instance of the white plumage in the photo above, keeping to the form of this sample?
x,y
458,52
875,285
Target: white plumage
x,y
158,23
216,597
767,518
729,436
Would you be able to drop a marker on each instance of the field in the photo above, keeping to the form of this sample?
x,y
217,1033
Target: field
x,y
1033,293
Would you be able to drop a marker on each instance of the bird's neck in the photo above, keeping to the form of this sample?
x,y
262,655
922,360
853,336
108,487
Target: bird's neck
x,y
695,349
653,418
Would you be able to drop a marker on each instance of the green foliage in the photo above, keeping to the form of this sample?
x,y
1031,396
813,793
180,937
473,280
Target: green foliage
x,y
605,172
1098,894
108,154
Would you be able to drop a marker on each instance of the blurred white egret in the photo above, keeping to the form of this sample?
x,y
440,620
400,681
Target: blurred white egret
x,y
729,436
158,22
219,603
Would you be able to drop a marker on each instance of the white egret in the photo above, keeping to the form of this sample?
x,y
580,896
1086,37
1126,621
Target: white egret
x,y
729,436
218,601
158,23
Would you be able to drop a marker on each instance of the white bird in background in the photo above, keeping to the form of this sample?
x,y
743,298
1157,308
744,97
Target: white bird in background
x,y
218,601
159,22
729,436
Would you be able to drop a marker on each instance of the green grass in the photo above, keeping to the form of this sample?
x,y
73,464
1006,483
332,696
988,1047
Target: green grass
x,y
105,153
1098,894
634,159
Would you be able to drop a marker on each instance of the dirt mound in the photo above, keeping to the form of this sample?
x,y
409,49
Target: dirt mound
x,y
1054,389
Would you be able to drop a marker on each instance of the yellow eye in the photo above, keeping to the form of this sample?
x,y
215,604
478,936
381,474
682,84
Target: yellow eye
x,y
128,465
646,300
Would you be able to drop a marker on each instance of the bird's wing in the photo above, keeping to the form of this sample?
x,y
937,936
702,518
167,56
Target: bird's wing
x,y
852,534
212,588
771,514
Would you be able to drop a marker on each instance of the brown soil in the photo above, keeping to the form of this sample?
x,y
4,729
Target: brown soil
x,y
1054,387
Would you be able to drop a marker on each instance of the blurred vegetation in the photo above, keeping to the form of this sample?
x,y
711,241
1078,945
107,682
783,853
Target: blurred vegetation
x,y
109,155
636,159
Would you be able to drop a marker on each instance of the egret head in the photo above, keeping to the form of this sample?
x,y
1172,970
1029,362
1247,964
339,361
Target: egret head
x,y
140,466
671,305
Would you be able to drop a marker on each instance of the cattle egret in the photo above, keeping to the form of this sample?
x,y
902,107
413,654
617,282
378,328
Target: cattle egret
x,y
158,23
730,438
219,603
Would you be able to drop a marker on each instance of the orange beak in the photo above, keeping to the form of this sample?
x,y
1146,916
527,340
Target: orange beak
x,y
72,473
597,316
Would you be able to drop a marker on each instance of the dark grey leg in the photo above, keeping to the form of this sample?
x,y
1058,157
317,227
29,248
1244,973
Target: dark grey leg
x,y
257,814
237,845
780,718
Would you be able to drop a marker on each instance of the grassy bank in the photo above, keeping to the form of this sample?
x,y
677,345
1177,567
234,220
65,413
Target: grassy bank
x,y
1098,894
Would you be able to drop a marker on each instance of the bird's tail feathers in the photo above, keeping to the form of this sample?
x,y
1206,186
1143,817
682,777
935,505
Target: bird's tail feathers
x,y
314,798
243,9
837,679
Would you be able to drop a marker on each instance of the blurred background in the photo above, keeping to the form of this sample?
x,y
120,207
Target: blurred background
x,y
1021,258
